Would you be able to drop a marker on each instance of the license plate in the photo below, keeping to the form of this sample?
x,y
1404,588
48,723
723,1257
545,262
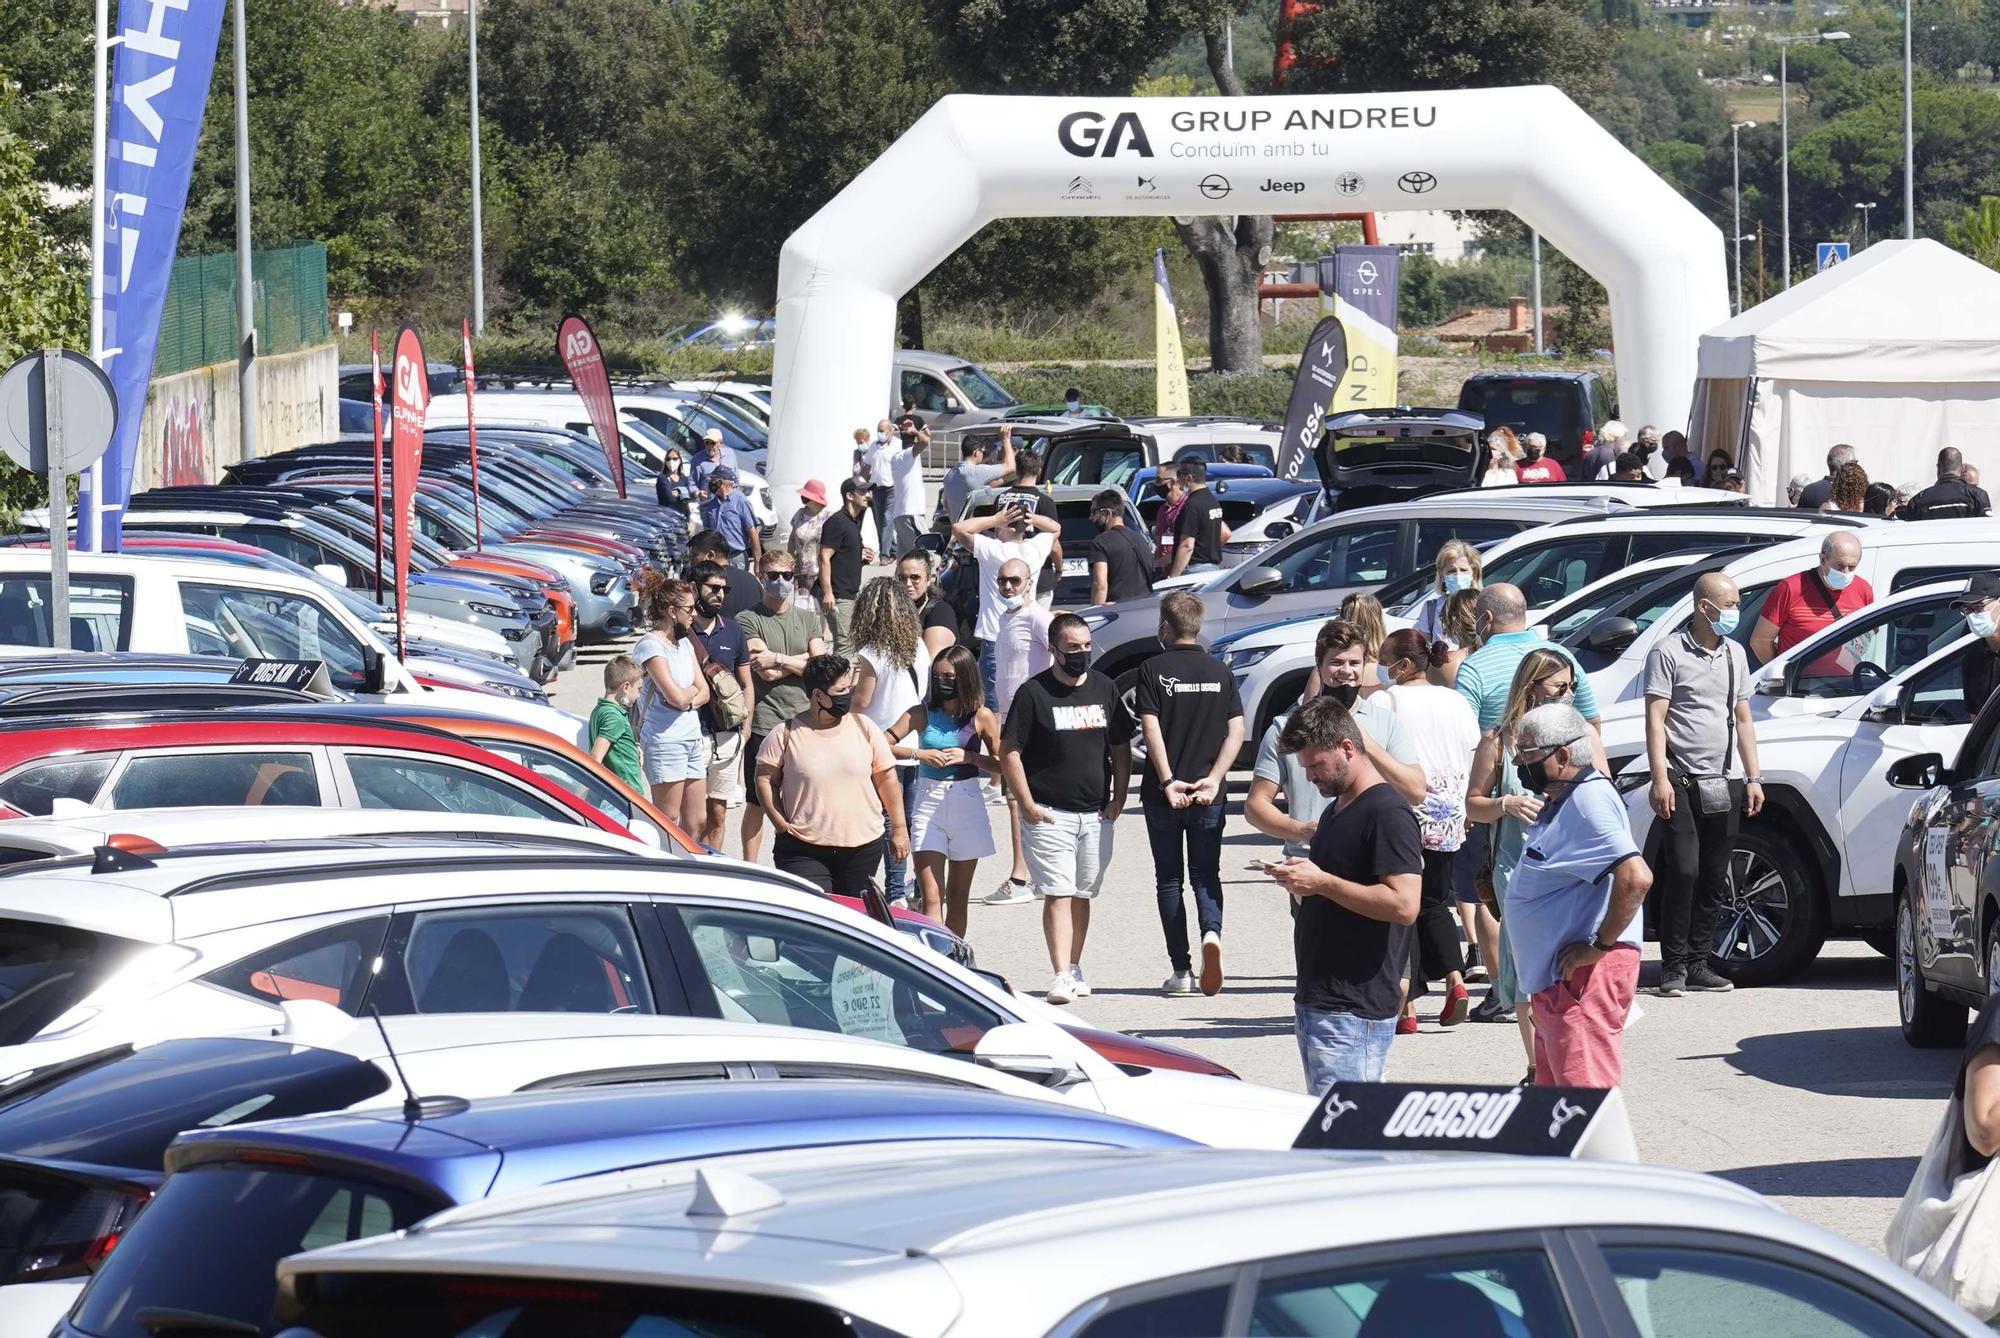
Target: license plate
x,y
1076,566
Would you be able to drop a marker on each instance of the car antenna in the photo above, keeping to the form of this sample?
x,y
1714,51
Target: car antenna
x,y
413,1109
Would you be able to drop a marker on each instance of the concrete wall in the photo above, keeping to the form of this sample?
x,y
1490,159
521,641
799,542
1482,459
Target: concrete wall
x,y
189,431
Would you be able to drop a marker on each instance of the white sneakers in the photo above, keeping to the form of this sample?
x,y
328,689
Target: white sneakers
x,y
1061,990
1178,984
1009,893
1078,987
1211,963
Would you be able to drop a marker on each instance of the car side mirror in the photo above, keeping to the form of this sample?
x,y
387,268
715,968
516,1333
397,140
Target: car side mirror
x,y
1887,705
331,571
1021,1049
953,404
374,673
1262,581
931,542
760,947
1280,529
1612,636
1919,771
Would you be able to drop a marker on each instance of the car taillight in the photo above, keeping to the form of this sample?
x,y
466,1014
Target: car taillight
x,y
88,1229
1590,436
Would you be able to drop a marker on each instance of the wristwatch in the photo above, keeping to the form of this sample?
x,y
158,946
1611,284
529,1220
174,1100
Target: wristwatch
x,y
1753,780
1600,946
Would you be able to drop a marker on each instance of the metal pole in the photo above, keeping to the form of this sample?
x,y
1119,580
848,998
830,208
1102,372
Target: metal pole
x,y
246,303
1909,133
52,433
1535,244
1785,168
1736,202
90,525
478,228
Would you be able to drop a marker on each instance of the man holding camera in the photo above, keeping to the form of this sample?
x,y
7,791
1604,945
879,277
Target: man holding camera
x,y
898,465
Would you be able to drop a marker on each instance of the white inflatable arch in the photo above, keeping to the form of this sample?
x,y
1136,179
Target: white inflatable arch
x,y
970,160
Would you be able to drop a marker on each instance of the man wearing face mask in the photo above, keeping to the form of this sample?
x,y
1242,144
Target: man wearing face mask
x,y
1121,561
725,650
1068,730
1803,603
1535,466
1573,904
1979,666
1010,532
1193,723
1020,651
780,640
1698,726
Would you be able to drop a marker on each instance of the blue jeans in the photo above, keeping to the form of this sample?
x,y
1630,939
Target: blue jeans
x,y
894,885
1341,1047
1201,828
989,668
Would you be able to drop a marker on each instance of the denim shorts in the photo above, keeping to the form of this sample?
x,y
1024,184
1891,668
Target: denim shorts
x,y
1341,1047
669,760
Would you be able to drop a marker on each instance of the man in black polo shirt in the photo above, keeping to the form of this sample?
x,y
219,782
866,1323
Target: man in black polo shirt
x,y
1199,532
745,590
1979,664
1121,560
842,554
1951,497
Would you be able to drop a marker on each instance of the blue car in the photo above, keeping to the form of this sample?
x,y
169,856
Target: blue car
x,y
237,1200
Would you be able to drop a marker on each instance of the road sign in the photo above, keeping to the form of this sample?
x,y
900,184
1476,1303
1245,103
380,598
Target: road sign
x,y
78,423
57,413
1831,254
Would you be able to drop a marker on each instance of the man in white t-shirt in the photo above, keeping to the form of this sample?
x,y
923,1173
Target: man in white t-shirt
x,y
1020,650
912,504
876,453
1010,532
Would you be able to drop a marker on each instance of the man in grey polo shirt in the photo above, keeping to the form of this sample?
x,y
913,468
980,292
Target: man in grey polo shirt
x,y
1698,726
1341,647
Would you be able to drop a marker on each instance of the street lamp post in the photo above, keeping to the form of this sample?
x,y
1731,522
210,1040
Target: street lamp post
x,y
1736,201
478,230
1909,133
1785,144
1864,209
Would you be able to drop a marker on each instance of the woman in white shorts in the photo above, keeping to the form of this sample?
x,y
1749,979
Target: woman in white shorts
x,y
953,737
672,746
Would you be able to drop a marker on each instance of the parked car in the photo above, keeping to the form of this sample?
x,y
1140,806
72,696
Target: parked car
x,y
951,394
130,948
1371,456
958,582
1248,494
928,1241
1566,407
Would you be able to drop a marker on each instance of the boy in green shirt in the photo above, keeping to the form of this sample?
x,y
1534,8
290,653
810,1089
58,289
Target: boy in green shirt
x,y
611,740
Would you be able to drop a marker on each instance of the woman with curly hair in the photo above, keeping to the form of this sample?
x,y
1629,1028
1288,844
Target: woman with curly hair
x,y
1503,453
1850,489
892,669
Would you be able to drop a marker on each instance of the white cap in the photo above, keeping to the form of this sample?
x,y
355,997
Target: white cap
x,y
714,434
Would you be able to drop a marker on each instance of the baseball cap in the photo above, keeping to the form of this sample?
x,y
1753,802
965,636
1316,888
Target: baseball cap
x,y
714,434
854,487
1982,588
722,474
813,491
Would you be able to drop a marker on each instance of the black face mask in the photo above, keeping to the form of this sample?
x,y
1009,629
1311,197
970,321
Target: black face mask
x,y
1345,693
1075,663
707,607
943,690
1534,776
839,704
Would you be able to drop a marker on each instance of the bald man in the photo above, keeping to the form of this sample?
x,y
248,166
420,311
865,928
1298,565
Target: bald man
x,y
1020,651
1802,604
1701,746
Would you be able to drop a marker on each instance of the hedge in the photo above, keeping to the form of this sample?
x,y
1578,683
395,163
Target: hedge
x,y
1128,391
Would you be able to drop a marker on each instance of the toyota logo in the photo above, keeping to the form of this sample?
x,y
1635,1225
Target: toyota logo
x,y
1215,185
1416,183
1365,271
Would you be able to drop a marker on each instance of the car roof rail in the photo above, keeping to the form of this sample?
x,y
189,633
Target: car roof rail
x,y
513,856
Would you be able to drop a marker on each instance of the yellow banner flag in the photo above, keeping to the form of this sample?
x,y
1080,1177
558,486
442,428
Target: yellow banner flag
x,y
1170,384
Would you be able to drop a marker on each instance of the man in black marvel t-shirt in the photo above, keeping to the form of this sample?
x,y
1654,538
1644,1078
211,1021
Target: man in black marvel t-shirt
x,y
1199,532
1358,896
1068,729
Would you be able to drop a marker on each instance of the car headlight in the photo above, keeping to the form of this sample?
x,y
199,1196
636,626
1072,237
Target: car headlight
x,y
1628,781
1096,620
494,611
601,583
764,498
1237,659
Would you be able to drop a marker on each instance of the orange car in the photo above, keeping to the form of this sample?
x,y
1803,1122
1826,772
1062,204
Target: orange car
x,y
560,598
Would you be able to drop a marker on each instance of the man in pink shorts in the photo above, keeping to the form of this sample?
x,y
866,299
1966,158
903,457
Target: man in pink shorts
x,y
1573,904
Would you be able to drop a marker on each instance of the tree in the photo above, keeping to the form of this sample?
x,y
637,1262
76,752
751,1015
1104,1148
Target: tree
x,y
1976,232
43,47
1372,46
43,282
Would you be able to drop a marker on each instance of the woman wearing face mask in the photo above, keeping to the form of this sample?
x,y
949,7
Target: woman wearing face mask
x,y
671,742
1458,568
675,489
1458,634
953,739
826,778
1496,795
892,670
1502,450
803,540
1172,496
1979,666
1444,733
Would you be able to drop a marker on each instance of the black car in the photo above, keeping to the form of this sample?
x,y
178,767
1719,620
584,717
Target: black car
x,y
1566,407
1371,456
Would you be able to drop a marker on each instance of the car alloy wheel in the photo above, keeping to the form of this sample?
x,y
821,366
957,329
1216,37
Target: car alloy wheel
x,y
1757,910
1773,917
1908,986
1929,1019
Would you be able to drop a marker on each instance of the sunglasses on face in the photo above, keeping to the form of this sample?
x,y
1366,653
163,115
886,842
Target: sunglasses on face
x,y
1010,580
717,588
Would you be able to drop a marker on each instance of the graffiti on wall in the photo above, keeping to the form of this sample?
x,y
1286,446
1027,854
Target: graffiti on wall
x,y
183,459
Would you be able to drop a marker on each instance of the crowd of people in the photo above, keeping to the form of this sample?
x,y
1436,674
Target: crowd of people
x,y
1439,797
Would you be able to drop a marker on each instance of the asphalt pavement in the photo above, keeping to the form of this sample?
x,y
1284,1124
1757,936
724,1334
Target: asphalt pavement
x,y
1806,1092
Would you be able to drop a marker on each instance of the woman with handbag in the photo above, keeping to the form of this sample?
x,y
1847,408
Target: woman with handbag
x,y
1947,1229
1495,795
672,745
892,672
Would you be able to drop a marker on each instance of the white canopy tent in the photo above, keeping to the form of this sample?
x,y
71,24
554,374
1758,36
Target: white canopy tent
x,y
1895,352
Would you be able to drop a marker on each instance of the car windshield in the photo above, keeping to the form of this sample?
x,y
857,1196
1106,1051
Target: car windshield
x,y
45,970
1547,407
121,1107
169,1259
979,389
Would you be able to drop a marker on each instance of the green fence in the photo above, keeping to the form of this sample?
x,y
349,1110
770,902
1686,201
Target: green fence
x,y
198,324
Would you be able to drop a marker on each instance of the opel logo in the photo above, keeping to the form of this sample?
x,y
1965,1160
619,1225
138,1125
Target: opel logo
x,y
1215,185
1416,183
1365,271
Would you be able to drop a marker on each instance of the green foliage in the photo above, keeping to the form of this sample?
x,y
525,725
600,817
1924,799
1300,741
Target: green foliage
x,y
1658,93
1580,328
1976,233
1129,390
1063,46
1357,46
45,54
1422,301
44,299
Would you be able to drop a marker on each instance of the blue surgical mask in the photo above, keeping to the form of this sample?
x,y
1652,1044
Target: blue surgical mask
x,y
1382,675
1723,620
1455,581
1836,579
1981,623
1011,602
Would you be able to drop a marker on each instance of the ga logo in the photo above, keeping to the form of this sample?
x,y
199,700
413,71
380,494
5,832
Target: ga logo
x,y
578,344
411,387
1083,134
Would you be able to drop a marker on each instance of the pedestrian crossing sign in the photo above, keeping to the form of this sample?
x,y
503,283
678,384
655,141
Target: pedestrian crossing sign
x,y
1831,254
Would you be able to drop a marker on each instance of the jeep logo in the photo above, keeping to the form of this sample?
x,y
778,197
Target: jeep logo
x,y
1084,134
1282,187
